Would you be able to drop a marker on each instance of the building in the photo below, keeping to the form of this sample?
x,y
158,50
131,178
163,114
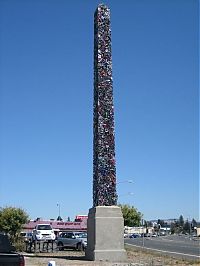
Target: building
x,y
79,225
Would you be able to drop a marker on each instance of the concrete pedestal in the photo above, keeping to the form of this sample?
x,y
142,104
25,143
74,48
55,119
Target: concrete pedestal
x,y
105,234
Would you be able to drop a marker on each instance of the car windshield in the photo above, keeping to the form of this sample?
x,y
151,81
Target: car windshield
x,y
44,227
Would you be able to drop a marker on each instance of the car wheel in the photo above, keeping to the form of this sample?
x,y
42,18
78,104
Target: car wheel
x,y
79,247
60,246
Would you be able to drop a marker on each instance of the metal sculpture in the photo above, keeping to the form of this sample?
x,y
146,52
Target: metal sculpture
x,y
104,168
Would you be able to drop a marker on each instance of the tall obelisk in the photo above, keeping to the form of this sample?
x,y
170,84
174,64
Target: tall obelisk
x,y
105,220
104,170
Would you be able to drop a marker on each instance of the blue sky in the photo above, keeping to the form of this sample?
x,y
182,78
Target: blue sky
x,y
46,105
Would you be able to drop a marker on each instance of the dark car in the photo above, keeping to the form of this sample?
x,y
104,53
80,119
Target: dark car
x,y
134,236
8,256
144,235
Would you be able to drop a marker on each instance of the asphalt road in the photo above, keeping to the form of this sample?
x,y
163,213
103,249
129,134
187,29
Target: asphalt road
x,y
177,246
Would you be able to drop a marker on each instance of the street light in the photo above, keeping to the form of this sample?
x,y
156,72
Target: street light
x,y
127,194
125,181
59,217
58,204
130,181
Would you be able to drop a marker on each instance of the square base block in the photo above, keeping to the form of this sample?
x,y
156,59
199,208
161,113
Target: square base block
x,y
105,234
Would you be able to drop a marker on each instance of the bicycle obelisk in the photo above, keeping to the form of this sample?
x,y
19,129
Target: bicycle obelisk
x,y
105,220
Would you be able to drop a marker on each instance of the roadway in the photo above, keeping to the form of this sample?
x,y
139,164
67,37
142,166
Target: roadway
x,y
176,246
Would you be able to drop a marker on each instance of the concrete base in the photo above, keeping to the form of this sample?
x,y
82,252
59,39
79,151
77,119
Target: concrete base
x,y
105,234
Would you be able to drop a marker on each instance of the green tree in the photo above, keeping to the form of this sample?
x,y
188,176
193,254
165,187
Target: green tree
x,y
161,222
59,218
173,228
12,220
148,224
186,227
132,216
156,227
193,224
181,221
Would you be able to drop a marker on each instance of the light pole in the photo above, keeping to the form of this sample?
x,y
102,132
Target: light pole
x,y
143,233
127,194
130,181
58,204
125,181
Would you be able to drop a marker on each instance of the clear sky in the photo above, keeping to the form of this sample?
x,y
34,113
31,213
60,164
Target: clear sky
x,y
46,105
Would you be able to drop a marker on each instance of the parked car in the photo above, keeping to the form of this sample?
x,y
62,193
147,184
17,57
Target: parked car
x,y
162,234
134,236
75,240
8,255
27,236
43,232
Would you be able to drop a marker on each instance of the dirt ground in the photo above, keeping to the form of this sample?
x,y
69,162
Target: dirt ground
x,y
135,257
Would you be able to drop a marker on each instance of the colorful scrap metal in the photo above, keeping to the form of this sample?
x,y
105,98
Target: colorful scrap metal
x,y
104,169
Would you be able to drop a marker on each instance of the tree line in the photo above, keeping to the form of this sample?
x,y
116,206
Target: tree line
x,y
183,226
